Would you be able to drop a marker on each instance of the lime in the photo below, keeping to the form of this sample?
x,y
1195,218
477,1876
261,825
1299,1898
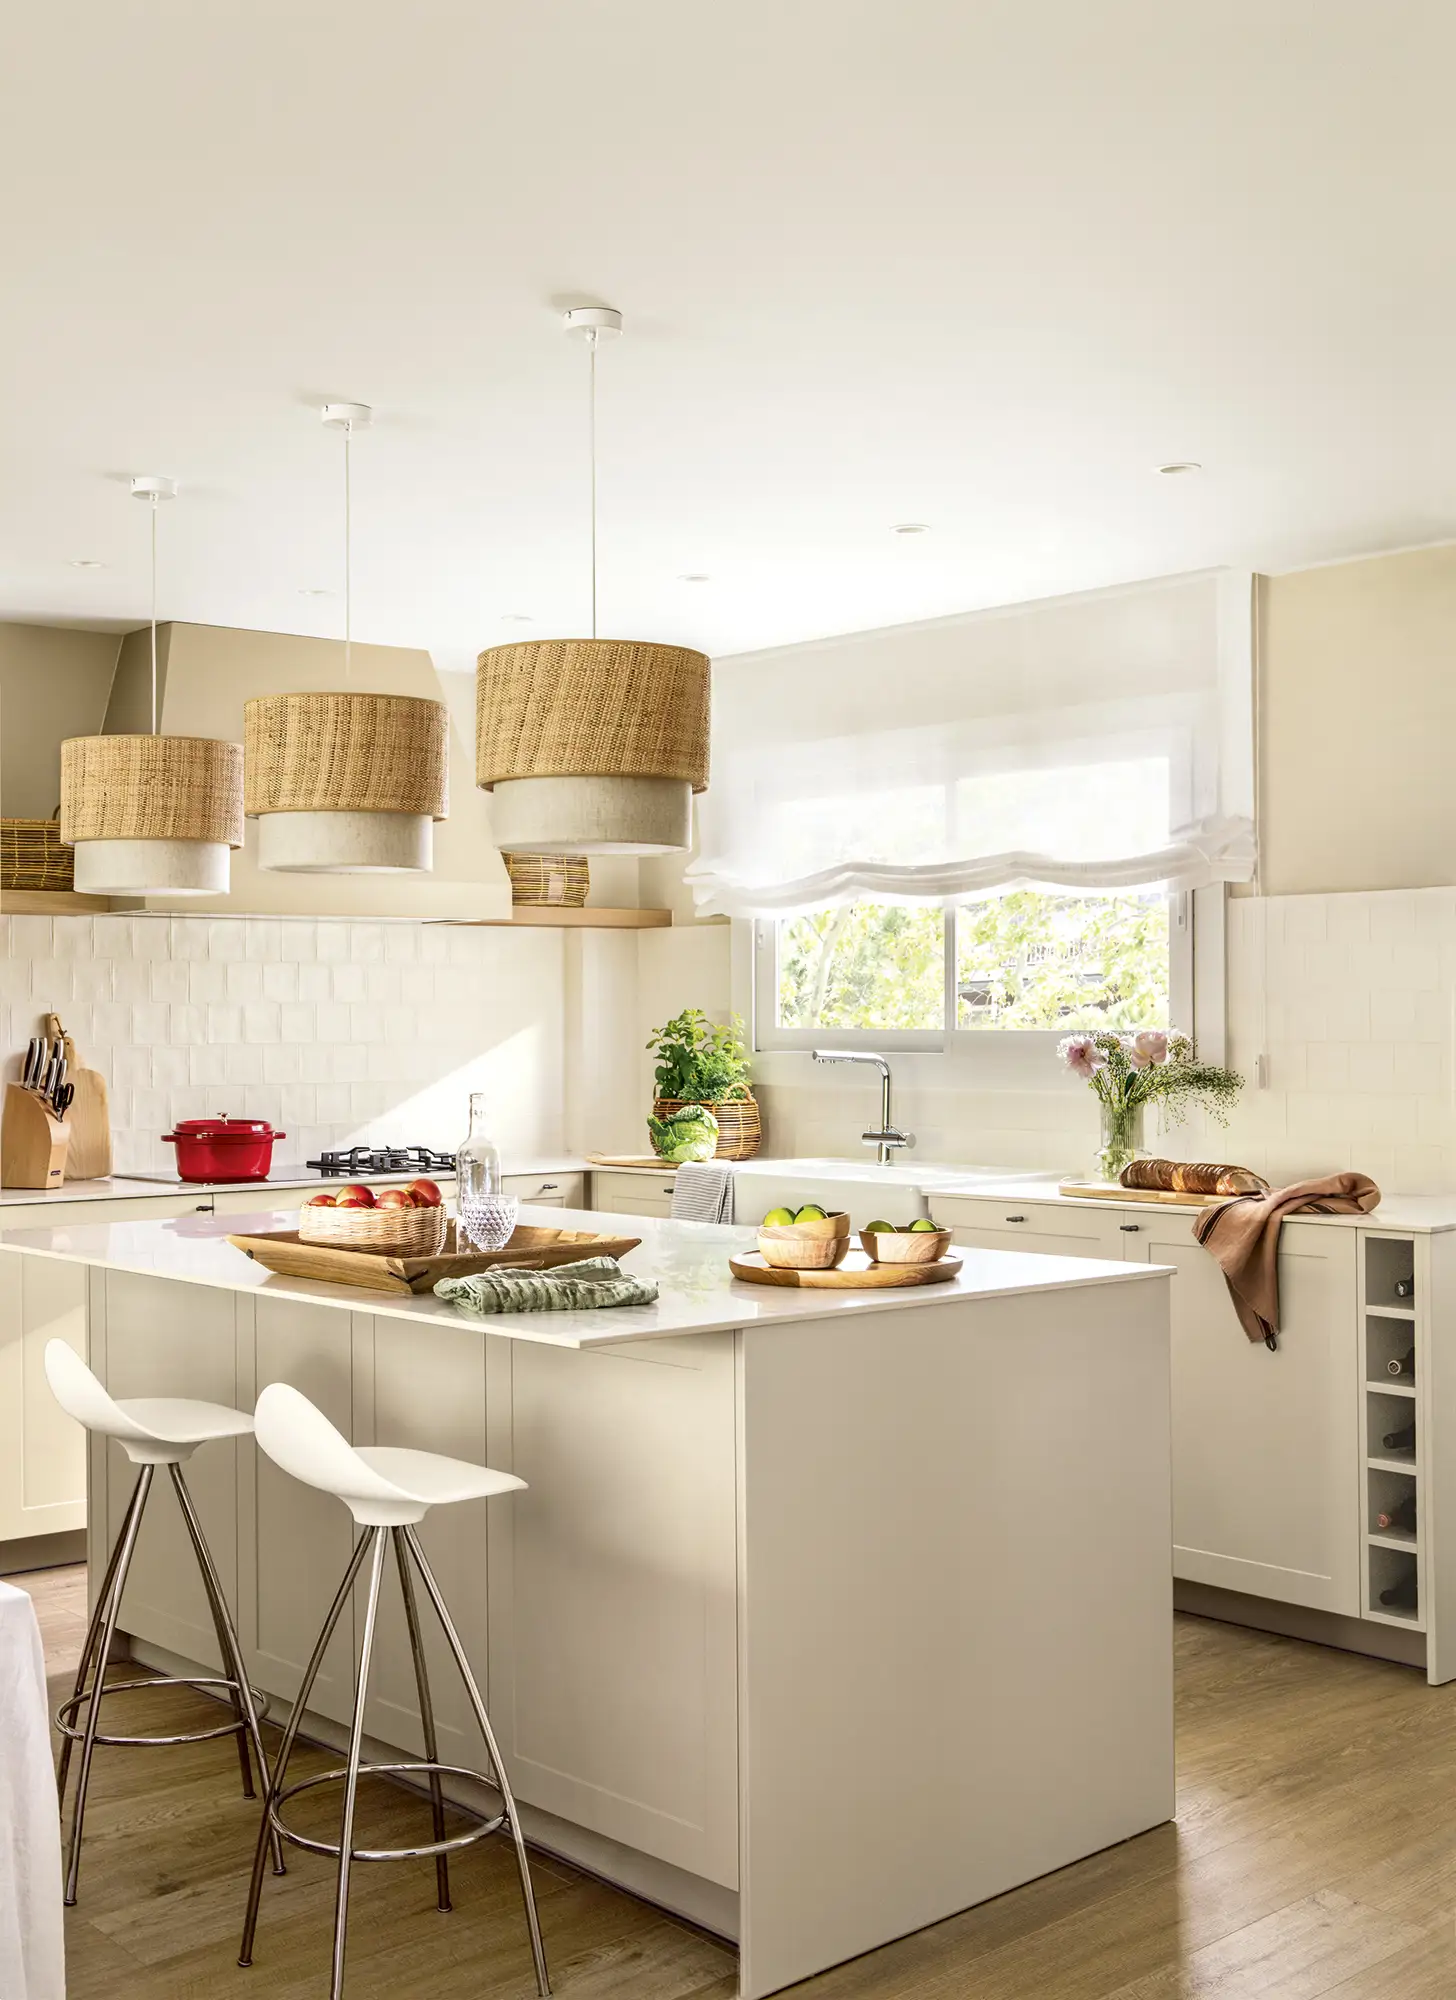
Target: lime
x,y
778,1218
874,1228
810,1212
923,1222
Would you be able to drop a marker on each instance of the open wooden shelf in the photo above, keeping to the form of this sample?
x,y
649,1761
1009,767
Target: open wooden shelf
x,y
50,903
544,915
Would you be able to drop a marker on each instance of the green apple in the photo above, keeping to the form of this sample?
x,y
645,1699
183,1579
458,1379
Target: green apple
x,y
875,1228
923,1222
778,1218
810,1212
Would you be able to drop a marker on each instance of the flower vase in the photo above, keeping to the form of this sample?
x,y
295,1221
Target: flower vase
x,y
1120,1140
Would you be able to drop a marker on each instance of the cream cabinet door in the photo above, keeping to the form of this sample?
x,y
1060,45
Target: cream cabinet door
x,y
1050,1229
632,1194
42,1451
547,1190
1266,1446
613,1581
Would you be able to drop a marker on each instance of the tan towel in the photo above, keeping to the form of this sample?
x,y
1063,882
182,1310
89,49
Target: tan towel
x,y
1243,1235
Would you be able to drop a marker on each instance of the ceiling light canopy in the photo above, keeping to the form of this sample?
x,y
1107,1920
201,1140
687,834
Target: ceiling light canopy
x,y
592,746
1179,465
152,814
346,783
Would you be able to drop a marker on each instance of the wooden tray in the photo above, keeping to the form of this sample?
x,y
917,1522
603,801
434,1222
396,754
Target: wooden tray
x,y
283,1251
855,1274
631,1160
1154,1197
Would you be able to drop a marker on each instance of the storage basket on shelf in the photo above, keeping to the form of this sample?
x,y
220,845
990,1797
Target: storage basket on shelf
x,y
739,1132
32,855
555,881
388,1232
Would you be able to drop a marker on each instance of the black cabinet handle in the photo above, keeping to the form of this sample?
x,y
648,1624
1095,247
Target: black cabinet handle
x,y
1129,1228
1016,1218
204,1208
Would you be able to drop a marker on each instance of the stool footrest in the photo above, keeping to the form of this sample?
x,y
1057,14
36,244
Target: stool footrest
x,y
424,1769
67,1725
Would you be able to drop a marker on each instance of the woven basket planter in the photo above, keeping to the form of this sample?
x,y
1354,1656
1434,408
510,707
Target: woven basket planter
x,y
33,855
582,708
370,753
554,881
151,788
739,1132
388,1232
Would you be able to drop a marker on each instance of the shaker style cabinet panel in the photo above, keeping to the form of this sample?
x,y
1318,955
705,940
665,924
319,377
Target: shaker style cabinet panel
x,y
1041,1228
613,1579
547,1190
632,1194
42,1451
1266,1470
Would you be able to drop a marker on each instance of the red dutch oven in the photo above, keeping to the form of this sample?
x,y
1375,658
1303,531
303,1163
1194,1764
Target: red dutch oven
x,y
223,1149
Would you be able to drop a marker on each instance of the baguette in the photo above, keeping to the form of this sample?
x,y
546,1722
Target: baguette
x,y
1192,1177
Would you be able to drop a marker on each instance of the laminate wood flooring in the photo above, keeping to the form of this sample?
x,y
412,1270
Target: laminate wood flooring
x,y
1314,1858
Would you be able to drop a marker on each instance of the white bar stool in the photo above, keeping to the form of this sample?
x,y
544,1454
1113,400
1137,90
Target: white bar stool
x,y
152,1431
388,1490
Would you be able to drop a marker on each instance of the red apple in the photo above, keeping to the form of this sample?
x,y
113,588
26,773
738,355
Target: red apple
x,y
426,1194
321,1201
352,1201
396,1198
355,1194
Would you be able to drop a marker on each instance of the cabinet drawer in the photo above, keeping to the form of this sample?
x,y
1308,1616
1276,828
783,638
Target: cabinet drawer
x,y
632,1194
1049,1229
547,1190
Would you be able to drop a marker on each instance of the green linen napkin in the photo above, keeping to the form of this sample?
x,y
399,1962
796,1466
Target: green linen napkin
x,y
596,1281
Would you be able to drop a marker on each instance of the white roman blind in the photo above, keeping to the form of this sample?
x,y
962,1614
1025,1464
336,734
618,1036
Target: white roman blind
x,y
1102,741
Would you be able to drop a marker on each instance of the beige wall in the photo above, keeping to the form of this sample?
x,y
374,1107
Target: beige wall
x,y
54,683
1358,725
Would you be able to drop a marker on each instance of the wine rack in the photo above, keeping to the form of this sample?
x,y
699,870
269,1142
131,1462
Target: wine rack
x,y
1393,1356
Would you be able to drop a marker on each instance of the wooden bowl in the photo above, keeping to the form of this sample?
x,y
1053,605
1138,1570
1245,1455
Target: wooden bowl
x,y
805,1246
905,1246
387,1232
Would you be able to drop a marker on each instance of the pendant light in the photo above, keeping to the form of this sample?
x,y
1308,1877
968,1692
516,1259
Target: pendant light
x,y
152,814
346,783
592,746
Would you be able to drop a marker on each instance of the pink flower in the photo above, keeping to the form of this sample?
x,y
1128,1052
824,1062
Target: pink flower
x,y
1082,1056
1149,1046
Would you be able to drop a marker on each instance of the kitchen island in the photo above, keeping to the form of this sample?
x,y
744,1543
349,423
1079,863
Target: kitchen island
x,y
825,1615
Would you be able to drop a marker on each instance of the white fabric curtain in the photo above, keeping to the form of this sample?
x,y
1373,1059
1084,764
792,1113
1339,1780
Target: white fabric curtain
x,y
1103,741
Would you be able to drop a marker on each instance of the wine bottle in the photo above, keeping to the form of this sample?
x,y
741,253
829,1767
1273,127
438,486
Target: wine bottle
x,y
1401,1440
1402,1515
1405,1366
1405,1288
1401,1596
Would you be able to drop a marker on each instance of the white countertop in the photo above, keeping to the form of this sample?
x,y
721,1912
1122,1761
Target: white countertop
x,y
687,1260
1420,1214
123,1187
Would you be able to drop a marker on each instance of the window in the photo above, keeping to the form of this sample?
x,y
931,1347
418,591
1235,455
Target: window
x,y
1022,961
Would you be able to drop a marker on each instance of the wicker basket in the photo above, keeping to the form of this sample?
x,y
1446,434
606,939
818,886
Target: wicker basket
x,y
739,1132
33,856
388,1232
557,881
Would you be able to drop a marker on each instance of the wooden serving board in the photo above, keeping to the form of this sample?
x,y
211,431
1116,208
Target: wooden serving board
x,y
284,1251
631,1160
1154,1197
855,1274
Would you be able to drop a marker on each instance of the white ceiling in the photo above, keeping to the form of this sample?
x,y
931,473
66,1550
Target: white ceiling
x,y
980,263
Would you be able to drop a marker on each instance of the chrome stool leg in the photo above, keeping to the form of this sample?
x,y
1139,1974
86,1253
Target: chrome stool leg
x,y
126,1543
249,1729
274,1790
93,1633
427,1714
351,1769
503,1783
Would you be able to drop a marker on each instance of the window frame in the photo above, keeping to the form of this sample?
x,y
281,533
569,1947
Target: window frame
x,y
1005,1048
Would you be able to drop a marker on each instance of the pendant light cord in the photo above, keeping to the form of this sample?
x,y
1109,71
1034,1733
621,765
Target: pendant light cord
x,y
591,348
348,557
154,613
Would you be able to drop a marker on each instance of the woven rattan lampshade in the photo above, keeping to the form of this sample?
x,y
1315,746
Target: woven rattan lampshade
x,y
592,746
151,813
345,783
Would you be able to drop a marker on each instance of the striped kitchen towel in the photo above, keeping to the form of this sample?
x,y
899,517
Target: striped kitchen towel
x,y
596,1281
703,1192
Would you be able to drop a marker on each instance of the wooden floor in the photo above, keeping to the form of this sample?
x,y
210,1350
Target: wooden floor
x,y
1314,1859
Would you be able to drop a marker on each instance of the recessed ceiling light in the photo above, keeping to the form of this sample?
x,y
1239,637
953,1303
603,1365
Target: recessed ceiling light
x,y
694,576
911,528
86,562
517,618
1180,465
315,590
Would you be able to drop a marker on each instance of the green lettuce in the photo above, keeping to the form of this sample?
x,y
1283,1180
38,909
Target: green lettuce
x,y
688,1134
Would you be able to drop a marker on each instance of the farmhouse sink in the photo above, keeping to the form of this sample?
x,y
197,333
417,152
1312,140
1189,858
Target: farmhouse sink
x,y
866,1190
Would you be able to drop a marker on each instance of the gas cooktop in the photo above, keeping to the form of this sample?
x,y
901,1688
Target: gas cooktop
x,y
382,1160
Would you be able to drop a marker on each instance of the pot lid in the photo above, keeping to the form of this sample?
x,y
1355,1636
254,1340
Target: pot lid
x,y
223,1128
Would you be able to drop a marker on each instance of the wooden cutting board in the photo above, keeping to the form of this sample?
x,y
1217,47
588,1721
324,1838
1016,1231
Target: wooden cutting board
x,y
88,1156
1154,1197
631,1160
855,1274
284,1251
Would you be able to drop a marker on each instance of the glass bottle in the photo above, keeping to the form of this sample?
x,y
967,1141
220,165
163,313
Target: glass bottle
x,y
487,1214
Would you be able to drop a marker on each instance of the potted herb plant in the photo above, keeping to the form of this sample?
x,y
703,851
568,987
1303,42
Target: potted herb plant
x,y
1129,1072
699,1062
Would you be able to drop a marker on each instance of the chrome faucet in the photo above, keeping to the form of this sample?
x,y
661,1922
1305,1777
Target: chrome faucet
x,y
889,1137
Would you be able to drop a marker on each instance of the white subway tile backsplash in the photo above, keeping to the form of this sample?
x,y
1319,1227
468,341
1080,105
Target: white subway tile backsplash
x,y
315,982
245,980
280,981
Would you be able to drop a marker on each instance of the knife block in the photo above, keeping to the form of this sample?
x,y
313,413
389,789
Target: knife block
x,y
33,1142
89,1118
